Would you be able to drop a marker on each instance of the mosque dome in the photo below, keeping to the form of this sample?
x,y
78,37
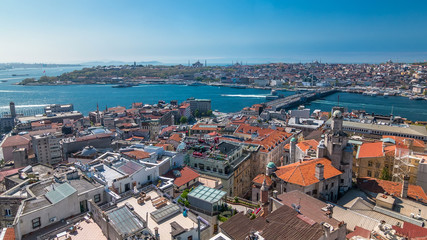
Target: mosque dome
x,y
271,165
337,114
88,151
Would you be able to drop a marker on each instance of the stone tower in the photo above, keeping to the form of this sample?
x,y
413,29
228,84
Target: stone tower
x,y
292,149
338,150
12,109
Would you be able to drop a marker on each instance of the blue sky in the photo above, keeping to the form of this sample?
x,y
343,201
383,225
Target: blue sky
x,y
221,31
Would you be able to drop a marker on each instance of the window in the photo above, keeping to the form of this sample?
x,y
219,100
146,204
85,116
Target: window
x,y
332,185
148,177
342,180
7,212
369,173
195,165
314,191
201,166
36,222
369,163
97,198
326,187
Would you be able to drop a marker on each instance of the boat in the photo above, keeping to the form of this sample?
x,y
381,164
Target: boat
x,y
416,98
238,86
125,85
196,84
3,80
20,75
271,97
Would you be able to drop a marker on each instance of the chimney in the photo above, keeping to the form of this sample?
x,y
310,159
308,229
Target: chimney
x,y
275,194
156,233
319,171
327,229
405,186
264,193
408,142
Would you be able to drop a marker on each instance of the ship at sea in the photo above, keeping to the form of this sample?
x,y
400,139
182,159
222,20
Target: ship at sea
x,y
238,86
196,84
127,85
20,75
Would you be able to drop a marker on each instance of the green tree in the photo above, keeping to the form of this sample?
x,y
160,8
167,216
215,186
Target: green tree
x,y
209,113
197,113
183,120
385,175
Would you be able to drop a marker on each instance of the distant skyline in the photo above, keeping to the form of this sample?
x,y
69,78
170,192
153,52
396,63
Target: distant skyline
x,y
220,31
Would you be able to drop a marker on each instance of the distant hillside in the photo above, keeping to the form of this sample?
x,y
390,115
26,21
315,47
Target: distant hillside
x,y
34,65
119,63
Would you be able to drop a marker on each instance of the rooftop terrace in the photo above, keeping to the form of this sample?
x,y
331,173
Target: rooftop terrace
x,y
164,225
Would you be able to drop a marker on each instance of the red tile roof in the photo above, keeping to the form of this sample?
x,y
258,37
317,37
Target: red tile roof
x,y
370,150
401,141
411,231
359,231
6,173
175,137
16,140
390,150
184,106
308,144
137,154
10,234
303,173
283,223
393,188
94,136
205,127
272,140
260,179
186,175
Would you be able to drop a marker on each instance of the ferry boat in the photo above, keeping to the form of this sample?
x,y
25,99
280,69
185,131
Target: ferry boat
x,y
416,98
196,84
20,75
238,86
125,85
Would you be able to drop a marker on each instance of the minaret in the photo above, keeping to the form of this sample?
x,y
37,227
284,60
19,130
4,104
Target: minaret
x,y
97,113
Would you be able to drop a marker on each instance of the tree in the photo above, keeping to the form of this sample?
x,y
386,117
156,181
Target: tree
x,y
209,113
183,120
197,113
385,175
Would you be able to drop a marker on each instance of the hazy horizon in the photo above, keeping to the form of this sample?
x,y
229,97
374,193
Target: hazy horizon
x,y
173,32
